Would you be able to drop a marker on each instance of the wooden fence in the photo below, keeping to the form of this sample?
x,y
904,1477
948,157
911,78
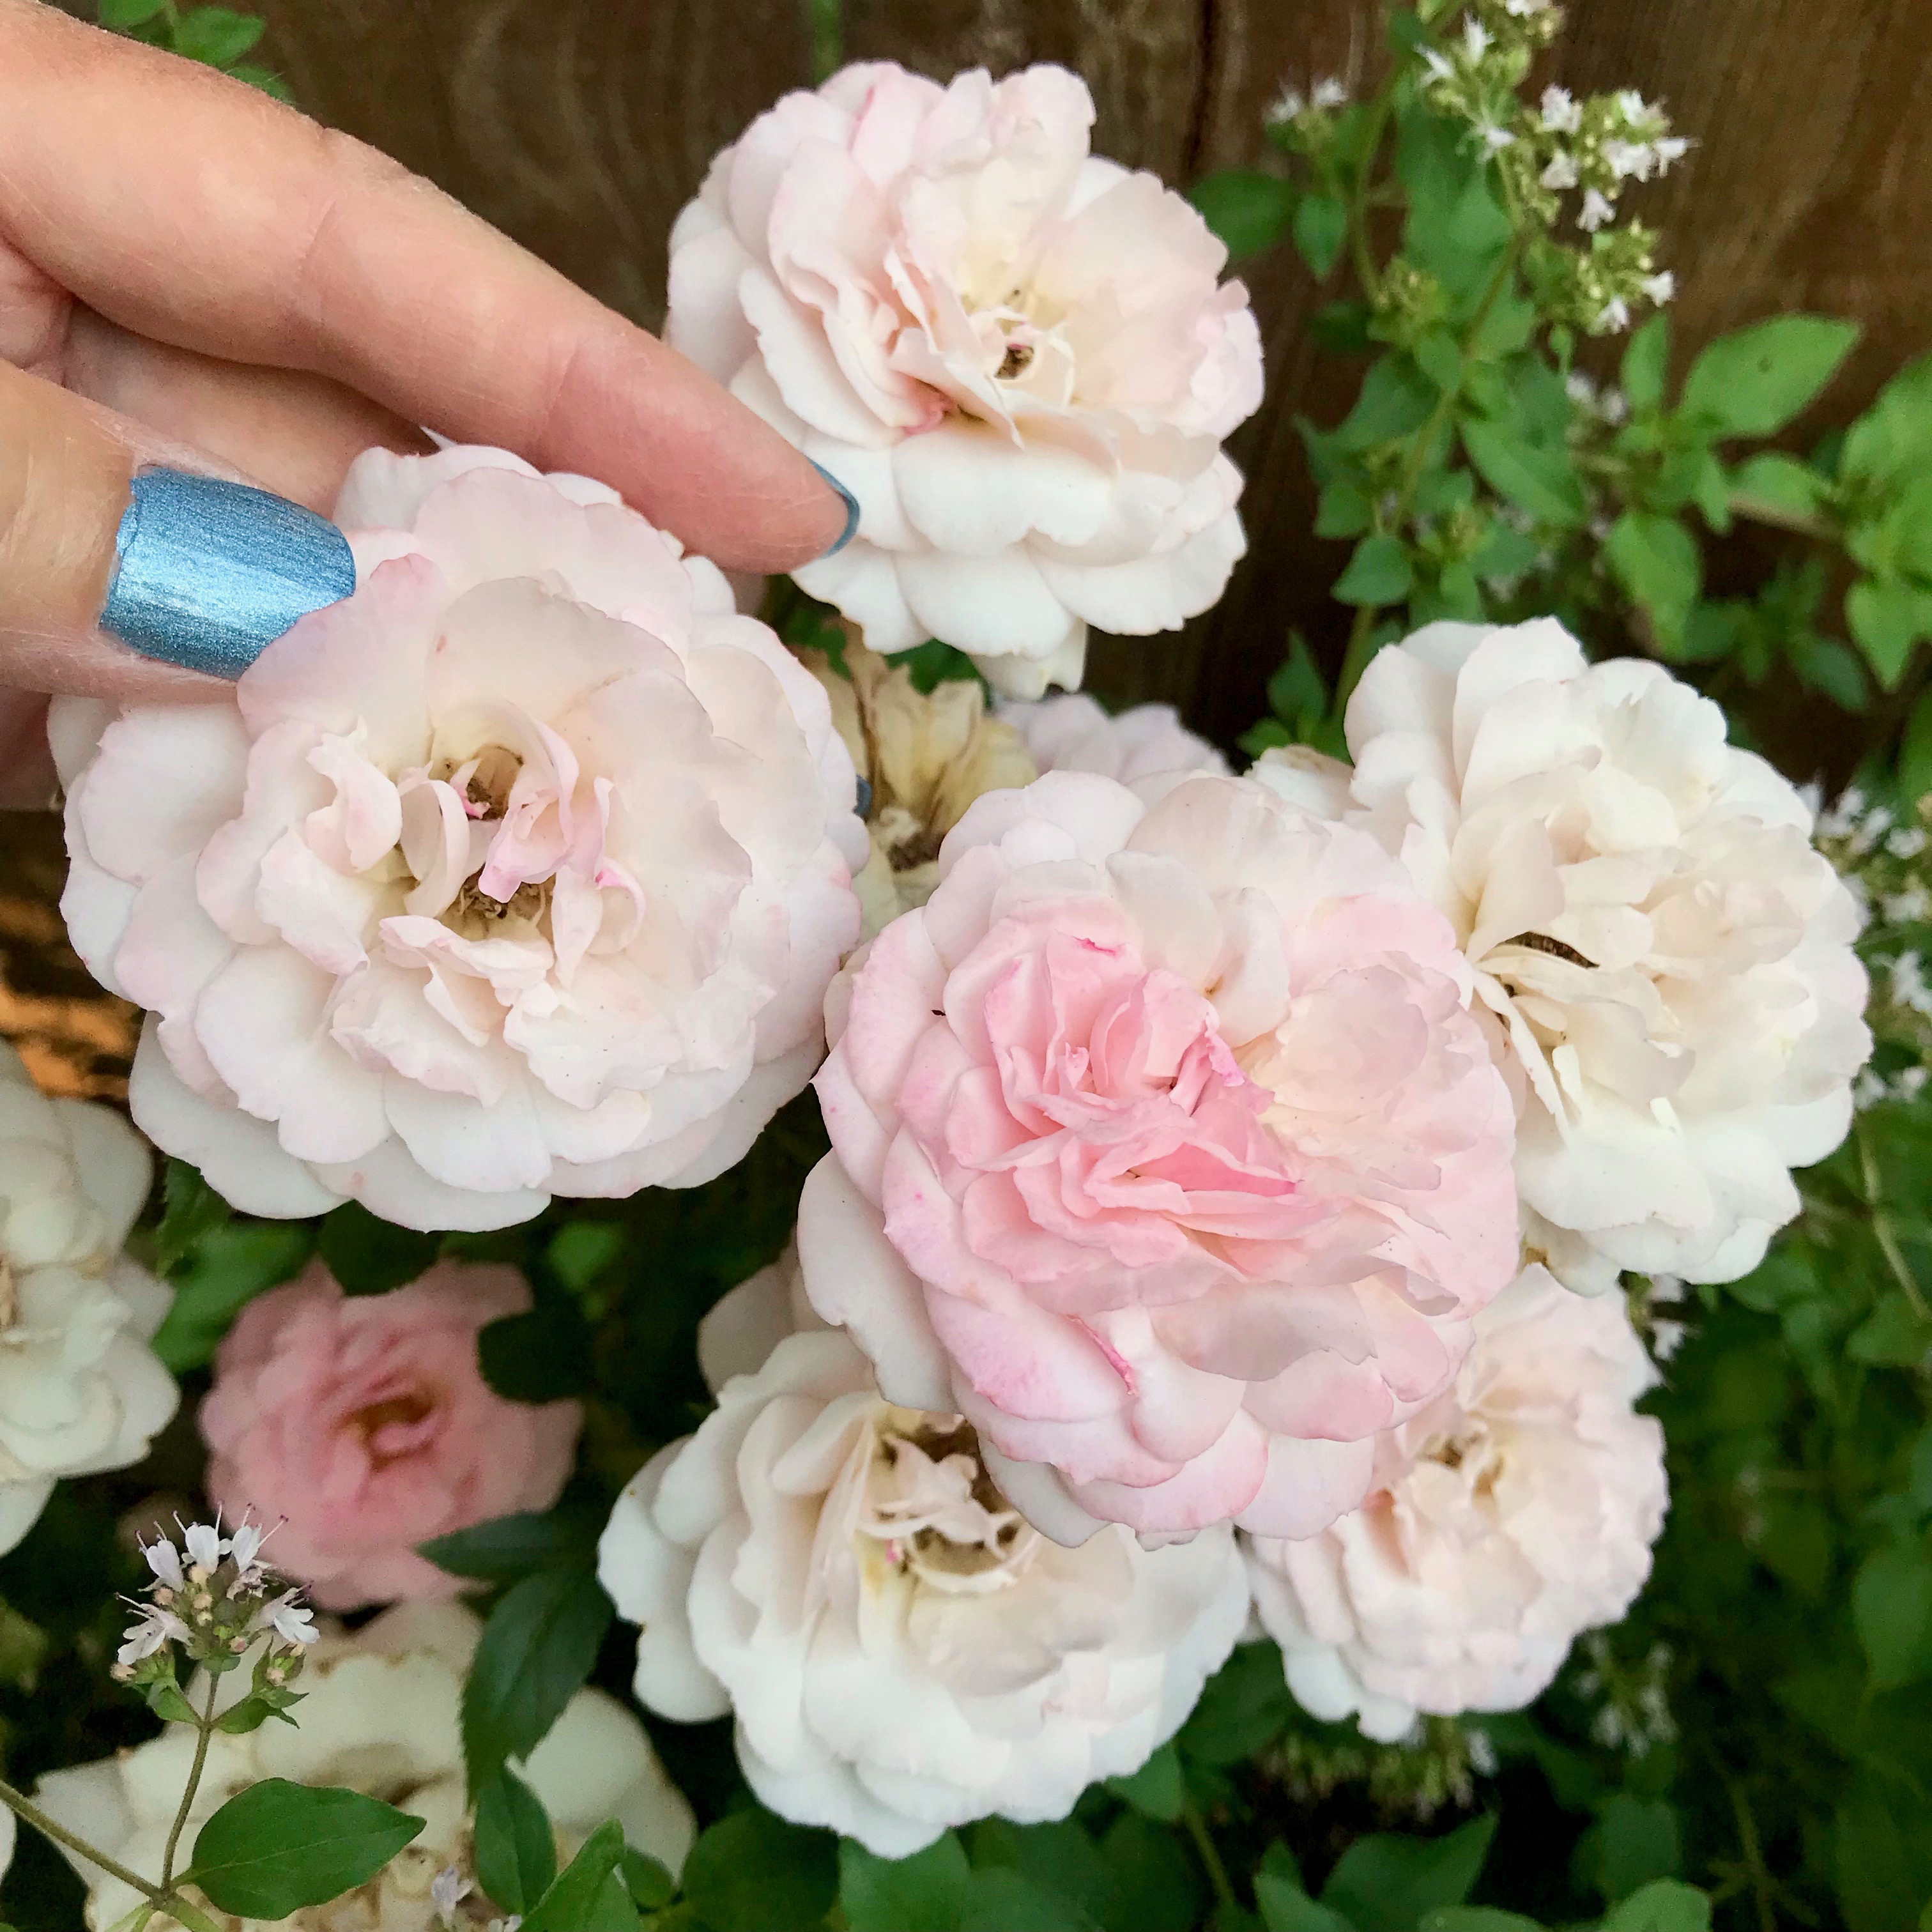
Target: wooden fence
x,y
581,126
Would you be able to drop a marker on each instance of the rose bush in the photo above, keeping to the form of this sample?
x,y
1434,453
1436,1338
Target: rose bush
x,y
80,1389
1016,356
381,1714
520,872
1671,961
362,1426
1513,1513
1165,1150
900,1650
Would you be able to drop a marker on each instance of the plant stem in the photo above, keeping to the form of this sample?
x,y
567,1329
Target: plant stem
x,y
1210,1855
1882,1230
1756,510
206,1723
1357,659
18,1801
1366,273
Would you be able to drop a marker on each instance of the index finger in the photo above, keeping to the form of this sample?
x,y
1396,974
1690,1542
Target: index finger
x,y
196,211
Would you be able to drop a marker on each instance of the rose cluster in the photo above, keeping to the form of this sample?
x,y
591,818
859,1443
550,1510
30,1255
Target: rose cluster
x,y
1231,1176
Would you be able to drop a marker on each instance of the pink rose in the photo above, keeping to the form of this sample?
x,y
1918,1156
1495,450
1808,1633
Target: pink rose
x,y
1018,357
1166,1150
520,872
363,1425
1140,746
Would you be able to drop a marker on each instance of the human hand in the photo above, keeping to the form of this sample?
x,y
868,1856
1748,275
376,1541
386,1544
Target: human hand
x,y
193,276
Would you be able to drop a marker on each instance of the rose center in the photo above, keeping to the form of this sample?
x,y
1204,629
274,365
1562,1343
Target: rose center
x,y
389,1428
933,1512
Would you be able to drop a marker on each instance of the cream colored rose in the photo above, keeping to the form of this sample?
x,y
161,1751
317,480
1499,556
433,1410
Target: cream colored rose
x,y
80,1390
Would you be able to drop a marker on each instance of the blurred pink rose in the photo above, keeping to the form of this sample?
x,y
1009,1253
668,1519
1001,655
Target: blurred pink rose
x,y
520,872
364,1426
1141,746
1014,355
1166,1151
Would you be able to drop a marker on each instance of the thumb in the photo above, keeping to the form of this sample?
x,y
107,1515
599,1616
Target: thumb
x,y
134,567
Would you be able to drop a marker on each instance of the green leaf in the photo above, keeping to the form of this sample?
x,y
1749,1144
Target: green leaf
x,y
1474,1918
191,1210
1155,1885
1753,382
1395,400
929,1891
1823,663
1894,1334
516,1849
1775,481
122,14
508,1547
753,1873
1915,756
588,1895
1646,362
545,1355
1635,1839
1245,1706
1385,1882
1249,211
1888,618
1321,227
649,1883
535,1652
1286,1907
1537,476
580,1251
277,1846
1344,509
216,35
1665,1905
1657,562
270,83
1001,1900
369,1256
1377,573
1891,1608
231,1267
1155,1788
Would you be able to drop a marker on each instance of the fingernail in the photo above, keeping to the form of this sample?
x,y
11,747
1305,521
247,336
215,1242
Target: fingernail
x,y
208,574
851,529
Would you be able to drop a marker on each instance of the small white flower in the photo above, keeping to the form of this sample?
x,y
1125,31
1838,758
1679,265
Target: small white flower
x,y
291,1619
1475,40
1908,908
1629,159
1526,10
1667,1338
1667,1288
1667,149
206,1545
1613,318
1561,173
1597,209
1613,406
1329,93
1909,986
447,1891
156,1628
1633,107
1580,389
1437,65
164,1560
1868,1090
1561,113
1287,106
1907,842
1495,139
1482,1753
1911,1083
245,1546
1660,287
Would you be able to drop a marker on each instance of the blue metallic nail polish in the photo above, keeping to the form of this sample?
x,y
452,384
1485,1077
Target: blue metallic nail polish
x,y
851,509
208,574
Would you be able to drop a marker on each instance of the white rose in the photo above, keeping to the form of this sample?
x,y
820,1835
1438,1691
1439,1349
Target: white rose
x,y
1515,1513
381,1713
1015,356
902,1651
79,1389
1670,959
1143,744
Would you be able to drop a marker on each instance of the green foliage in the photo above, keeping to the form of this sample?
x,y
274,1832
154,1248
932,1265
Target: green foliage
x,y
277,1846
535,1652
589,1893
516,1849
753,1872
217,37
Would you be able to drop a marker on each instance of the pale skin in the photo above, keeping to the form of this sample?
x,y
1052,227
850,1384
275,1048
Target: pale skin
x,y
193,273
